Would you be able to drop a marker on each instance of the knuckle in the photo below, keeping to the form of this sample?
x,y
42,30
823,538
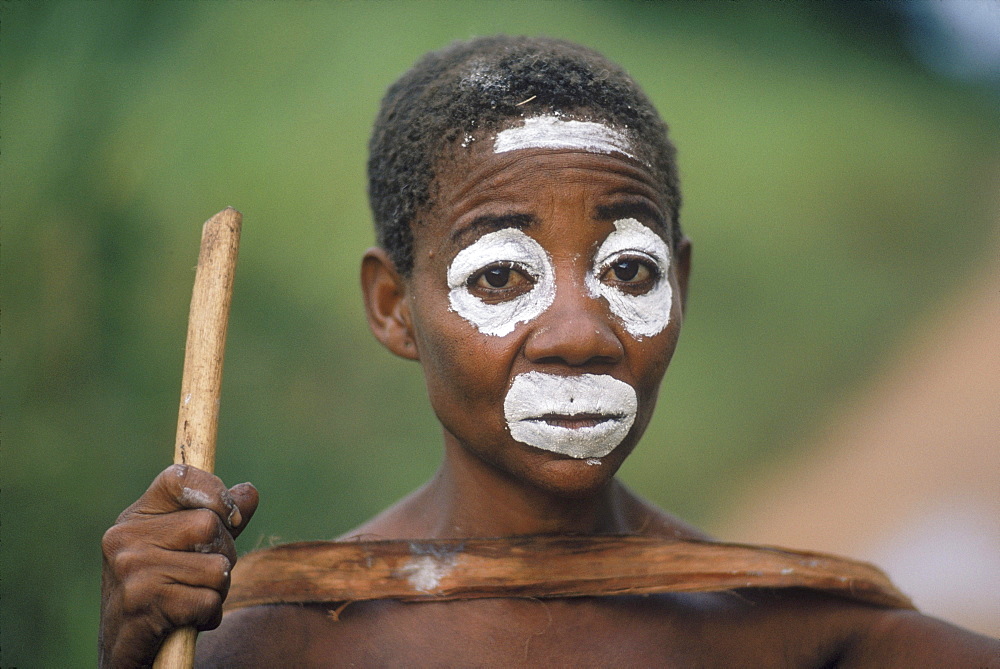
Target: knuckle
x,y
178,471
209,605
197,607
126,562
205,525
151,626
111,542
172,478
225,566
138,596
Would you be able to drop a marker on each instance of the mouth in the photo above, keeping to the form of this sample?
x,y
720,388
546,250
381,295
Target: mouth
x,y
576,421
585,416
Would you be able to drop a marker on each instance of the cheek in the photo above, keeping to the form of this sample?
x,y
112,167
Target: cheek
x,y
460,367
649,358
641,315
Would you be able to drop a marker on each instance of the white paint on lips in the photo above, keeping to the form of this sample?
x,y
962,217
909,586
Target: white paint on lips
x,y
535,396
509,246
642,315
552,132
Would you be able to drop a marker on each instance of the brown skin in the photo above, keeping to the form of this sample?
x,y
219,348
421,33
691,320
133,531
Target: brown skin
x,y
491,485
167,562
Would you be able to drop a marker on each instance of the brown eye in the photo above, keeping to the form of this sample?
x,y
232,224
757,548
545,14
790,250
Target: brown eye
x,y
626,270
634,276
500,282
497,276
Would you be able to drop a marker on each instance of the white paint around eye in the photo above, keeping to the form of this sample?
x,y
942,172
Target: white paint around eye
x,y
534,395
642,315
551,132
509,245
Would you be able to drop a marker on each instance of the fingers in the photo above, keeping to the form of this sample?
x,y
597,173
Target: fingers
x,y
245,496
186,588
197,530
167,561
192,530
185,487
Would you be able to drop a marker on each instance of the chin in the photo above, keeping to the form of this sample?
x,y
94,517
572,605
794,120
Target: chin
x,y
575,478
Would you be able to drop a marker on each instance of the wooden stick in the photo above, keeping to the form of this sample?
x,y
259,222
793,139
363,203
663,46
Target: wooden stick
x,y
198,418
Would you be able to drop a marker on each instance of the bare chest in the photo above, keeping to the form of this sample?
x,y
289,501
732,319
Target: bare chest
x,y
682,631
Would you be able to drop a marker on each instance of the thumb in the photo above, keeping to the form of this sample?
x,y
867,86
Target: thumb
x,y
245,496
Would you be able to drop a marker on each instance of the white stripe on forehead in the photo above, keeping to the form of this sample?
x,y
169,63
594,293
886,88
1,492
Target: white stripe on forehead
x,y
551,132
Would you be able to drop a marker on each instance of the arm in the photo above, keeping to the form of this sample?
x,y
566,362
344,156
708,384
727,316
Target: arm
x,y
909,639
167,562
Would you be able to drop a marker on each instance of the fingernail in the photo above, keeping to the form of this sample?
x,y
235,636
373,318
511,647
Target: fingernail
x,y
235,517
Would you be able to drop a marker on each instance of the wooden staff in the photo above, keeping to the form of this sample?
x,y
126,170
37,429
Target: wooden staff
x,y
198,418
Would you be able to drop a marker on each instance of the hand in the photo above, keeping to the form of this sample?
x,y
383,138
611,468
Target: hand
x,y
167,562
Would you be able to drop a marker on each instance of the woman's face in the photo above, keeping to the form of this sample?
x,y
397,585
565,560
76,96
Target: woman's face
x,y
546,304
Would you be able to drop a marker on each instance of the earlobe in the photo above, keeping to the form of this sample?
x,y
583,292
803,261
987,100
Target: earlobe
x,y
386,305
682,265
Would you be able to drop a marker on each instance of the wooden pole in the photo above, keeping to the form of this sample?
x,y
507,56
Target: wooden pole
x,y
198,418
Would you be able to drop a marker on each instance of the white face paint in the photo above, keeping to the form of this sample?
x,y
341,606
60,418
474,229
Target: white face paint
x,y
551,132
535,398
642,315
508,248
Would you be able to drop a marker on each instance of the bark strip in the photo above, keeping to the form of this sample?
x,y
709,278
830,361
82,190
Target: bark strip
x,y
546,566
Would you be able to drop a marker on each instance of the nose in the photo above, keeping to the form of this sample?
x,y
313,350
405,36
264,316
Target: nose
x,y
574,330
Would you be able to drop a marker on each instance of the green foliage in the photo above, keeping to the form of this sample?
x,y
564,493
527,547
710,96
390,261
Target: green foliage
x,y
834,191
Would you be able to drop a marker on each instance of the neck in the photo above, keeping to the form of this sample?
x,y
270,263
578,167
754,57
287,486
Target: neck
x,y
471,498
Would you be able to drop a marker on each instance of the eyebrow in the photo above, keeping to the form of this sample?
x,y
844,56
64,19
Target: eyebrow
x,y
638,207
492,223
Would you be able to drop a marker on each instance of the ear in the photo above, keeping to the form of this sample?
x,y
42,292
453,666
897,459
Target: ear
x,y
386,304
682,265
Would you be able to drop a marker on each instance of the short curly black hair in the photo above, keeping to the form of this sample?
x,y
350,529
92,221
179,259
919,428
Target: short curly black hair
x,y
476,86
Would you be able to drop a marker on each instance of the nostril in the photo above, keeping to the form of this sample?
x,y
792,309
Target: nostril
x,y
575,341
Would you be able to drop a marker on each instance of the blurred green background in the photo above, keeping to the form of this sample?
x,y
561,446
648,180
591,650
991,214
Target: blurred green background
x,y
835,190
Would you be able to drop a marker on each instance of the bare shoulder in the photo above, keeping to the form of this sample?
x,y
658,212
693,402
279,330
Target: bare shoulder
x,y
817,629
901,638
649,520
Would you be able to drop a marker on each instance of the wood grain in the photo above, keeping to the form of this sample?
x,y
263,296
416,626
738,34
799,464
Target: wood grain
x,y
549,566
201,385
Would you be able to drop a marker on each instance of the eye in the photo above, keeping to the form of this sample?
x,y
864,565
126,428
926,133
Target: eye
x,y
631,274
496,276
500,282
627,270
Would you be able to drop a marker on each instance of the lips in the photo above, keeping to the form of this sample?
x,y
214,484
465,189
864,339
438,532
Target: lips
x,y
582,416
574,421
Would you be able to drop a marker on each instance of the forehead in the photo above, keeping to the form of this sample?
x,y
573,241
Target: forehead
x,y
554,132
532,167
